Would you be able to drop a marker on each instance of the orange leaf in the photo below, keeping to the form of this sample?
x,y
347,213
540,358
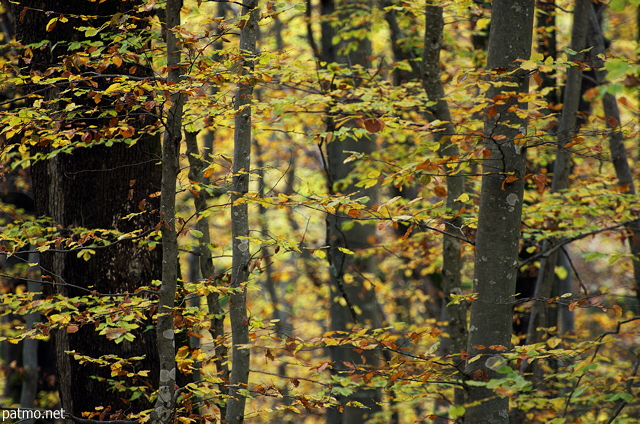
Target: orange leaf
x,y
424,164
508,180
208,172
537,78
497,348
354,213
612,121
492,112
127,131
74,328
440,191
117,61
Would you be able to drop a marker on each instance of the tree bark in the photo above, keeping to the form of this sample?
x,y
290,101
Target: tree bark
x,y
93,188
616,143
562,166
165,404
500,213
456,314
240,219
352,301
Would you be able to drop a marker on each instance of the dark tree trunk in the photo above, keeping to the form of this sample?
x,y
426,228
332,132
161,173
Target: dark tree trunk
x,y
500,213
95,187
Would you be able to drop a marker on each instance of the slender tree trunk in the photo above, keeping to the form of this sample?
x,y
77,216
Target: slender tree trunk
x,y
352,300
240,219
562,166
30,346
501,200
616,142
204,259
456,314
165,404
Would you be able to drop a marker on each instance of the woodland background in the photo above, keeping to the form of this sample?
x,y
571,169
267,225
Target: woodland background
x,y
323,211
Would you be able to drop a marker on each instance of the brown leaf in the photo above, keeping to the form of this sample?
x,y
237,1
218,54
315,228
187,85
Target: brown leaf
x,y
480,374
373,125
541,182
440,191
612,121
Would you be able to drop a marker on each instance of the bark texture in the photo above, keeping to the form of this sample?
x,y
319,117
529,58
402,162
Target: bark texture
x,y
562,166
456,314
165,404
501,199
240,220
93,188
616,142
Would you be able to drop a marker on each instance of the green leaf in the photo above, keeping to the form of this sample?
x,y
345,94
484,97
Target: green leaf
x,y
617,5
457,411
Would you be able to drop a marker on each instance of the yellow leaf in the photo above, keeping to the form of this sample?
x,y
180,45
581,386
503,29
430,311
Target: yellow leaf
x,y
51,24
482,23
537,56
561,272
553,342
529,65
320,253
464,197
346,251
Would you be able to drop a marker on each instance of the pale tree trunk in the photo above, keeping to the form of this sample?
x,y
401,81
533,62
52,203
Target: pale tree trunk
x,y
203,258
500,213
456,314
165,404
616,143
240,219
561,169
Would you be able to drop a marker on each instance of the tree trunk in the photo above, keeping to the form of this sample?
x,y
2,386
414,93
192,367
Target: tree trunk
x,y
240,219
501,200
616,142
456,314
561,169
165,404
93,188
352,301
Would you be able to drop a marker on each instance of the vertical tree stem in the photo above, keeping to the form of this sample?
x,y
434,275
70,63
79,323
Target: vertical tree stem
x,y
165,403
500,213
240,218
